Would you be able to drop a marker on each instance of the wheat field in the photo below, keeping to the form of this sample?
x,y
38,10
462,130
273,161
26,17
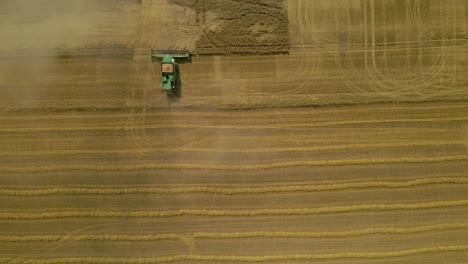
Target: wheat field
x,y
308,131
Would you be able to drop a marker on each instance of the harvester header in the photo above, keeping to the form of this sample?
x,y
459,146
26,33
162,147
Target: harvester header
x,y
171,53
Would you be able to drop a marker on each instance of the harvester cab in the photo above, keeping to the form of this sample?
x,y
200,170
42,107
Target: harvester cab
x,y
170,77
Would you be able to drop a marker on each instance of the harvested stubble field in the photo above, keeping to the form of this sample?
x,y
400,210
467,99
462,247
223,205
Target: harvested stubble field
x,y
309,131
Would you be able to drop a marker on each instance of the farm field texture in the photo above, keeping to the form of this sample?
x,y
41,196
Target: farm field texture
x,y
308,131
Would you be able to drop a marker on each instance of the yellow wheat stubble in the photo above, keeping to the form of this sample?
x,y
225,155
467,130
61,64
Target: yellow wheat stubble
x,y
297,257
236,127
229,235
300,163
219,213
233,191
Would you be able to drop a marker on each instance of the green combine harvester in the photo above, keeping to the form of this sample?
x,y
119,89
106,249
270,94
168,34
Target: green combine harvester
x,y
170,77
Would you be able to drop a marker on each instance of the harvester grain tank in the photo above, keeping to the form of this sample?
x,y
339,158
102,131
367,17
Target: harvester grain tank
x,y
170,77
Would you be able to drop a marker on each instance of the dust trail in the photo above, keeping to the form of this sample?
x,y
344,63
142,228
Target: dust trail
x,y
222,235
219,213
291,164
254,150
99,190
41,40
298,257
72,24
237,127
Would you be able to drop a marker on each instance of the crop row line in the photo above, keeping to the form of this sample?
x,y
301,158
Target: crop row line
x,y
235,167
219,213
222,235
224,114
391,49
389,43
192,257
237,127
252,150
232,191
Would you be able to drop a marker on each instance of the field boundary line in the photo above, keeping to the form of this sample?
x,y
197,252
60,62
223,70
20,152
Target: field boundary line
x,y
220,212
252,150
238,167
236,127
227,258
97,190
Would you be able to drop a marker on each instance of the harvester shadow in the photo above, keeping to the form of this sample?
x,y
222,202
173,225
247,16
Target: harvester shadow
x,y
178,87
